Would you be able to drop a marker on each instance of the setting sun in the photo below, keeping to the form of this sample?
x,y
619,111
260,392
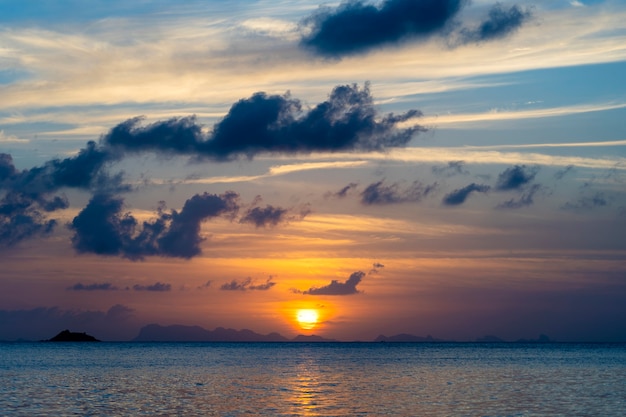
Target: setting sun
x,y
307,318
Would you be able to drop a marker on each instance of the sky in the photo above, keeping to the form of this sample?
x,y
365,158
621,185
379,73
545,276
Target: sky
x,y
433,167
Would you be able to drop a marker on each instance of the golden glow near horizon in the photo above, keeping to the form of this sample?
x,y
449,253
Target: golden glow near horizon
x,y
307,318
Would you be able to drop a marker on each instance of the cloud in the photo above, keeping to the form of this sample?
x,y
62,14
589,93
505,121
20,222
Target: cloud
x,y
515,177
587,202
270,215
263,123
499,23
248,284
105,286
375,267
458,196
355,26
267,216
451,169
526,199
101,228
27,194
158,287
338,288
378,193
266,123
344,191
563,172
205,285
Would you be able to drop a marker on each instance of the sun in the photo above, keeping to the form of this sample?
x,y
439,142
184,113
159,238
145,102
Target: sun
x,y
307,318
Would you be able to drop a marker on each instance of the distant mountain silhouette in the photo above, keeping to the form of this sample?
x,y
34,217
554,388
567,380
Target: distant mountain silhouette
x,y
67,336
404,337
181,333
311,338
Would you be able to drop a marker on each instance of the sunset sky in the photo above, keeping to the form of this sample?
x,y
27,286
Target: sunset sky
x,y
432,167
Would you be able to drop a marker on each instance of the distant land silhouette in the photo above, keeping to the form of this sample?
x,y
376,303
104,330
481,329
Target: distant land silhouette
x,y
67,336
182,333
404,337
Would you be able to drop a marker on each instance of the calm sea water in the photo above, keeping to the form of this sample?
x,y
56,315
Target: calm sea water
x,y
290,379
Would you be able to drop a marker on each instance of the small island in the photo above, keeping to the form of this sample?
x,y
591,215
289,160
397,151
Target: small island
x,y
67,336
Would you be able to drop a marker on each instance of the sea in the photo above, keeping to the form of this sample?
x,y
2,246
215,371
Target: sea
x,y
312,379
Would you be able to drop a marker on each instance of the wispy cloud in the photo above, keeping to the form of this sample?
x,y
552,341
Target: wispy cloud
x,y
497,115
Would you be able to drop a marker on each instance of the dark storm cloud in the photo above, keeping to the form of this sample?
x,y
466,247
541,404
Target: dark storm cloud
x,y
101,228
499,23
451,169
338,288
247,284
526,199
105,286
355,26
459,196
379,193
157,287
515,177
266,123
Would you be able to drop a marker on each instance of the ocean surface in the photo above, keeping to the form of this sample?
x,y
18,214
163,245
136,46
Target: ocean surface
x,y
301,379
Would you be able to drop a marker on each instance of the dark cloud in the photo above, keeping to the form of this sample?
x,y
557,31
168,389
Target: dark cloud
x,y
379,193
499,23
248,284
355,26
338,288
158,287
451,169
459,196
19,223
28,194
105,286
560,174
526,199
267,216
266,123
515,177
205,285
588,202
375,267
101,228
7,169
182,239
263,123
344,191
